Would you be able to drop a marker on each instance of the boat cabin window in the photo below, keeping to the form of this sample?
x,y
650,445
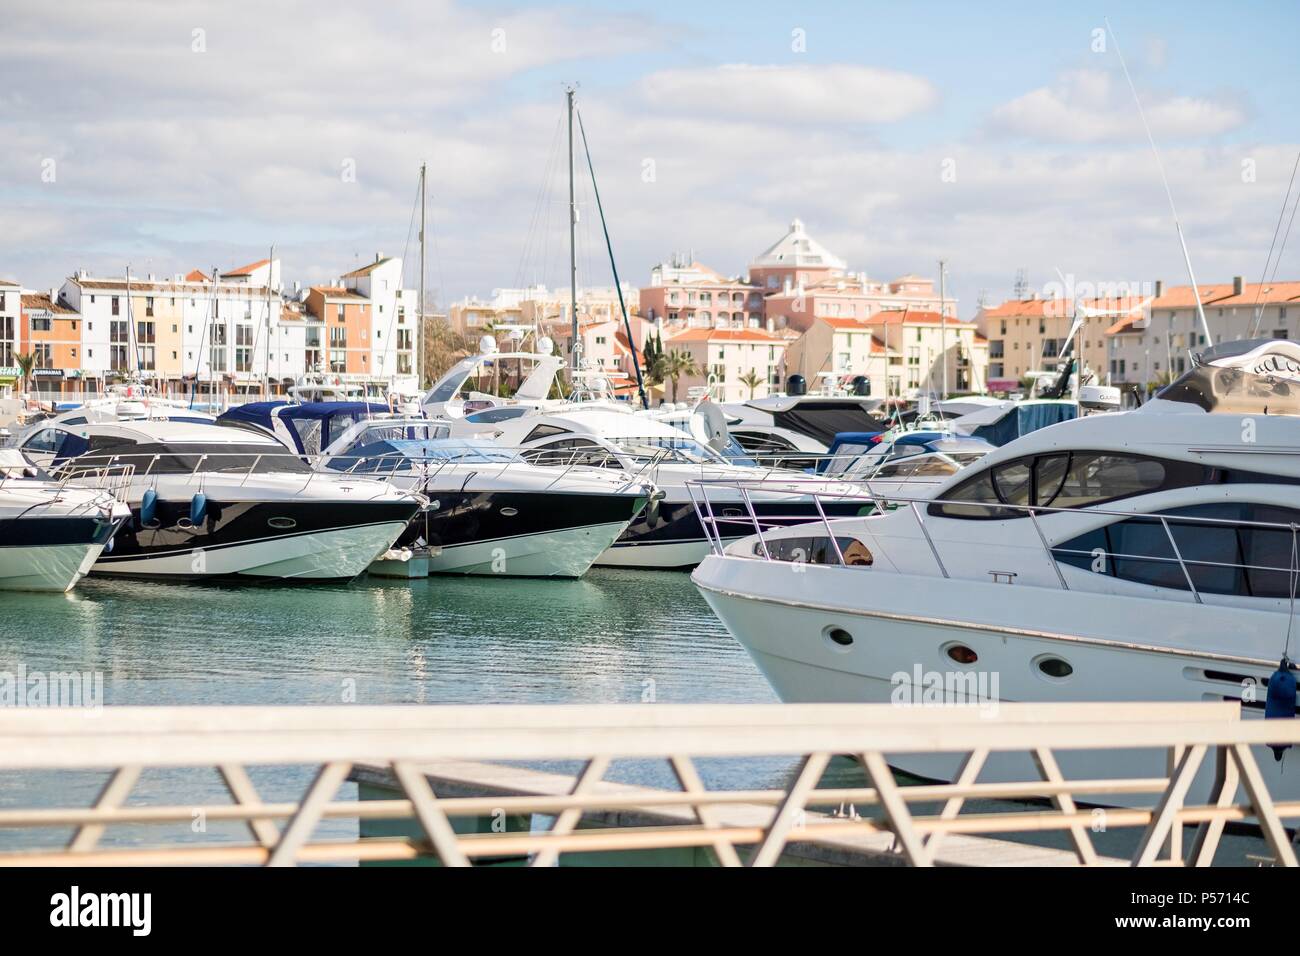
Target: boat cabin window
x,y
179,458
1064,480
573,451
47,439
1239,558
931,466
491,415
545,431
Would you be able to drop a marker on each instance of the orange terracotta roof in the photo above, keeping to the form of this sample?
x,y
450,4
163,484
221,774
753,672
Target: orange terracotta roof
x,y
1266,293
1017,308
246,270
196,276
42,303
723,335
338,292
366,270
915,317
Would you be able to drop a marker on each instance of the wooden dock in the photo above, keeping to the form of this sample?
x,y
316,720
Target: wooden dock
x,y
446,783
464,779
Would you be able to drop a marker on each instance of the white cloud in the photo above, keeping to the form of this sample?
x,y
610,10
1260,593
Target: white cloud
x,y
1094,106
791,94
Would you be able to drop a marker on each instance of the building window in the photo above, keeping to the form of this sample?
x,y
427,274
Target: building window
x,y
116,306
148,306
43,354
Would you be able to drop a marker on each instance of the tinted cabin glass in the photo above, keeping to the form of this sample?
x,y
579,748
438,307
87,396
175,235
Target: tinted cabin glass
x,y
1221,558
1073,480
174,459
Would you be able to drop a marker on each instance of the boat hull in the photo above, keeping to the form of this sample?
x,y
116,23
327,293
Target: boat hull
x,y
50,554
519,533
783,618
286,540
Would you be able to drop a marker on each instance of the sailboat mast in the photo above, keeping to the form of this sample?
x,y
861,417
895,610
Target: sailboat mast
x,y
943,329
419,328
132,349
575,349
266,368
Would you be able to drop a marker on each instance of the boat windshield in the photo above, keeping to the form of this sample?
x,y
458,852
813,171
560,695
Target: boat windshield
x,y
1235,391
395,455
673,448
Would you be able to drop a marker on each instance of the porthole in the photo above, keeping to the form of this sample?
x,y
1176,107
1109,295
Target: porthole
x,y
961,654
1053,667
837,638
283,524
509,512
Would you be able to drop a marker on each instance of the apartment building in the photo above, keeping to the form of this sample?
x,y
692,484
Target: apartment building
x,y
1028,334
10,327
1149,349
725,357
186,332
938,354
834,351
52,336
692,295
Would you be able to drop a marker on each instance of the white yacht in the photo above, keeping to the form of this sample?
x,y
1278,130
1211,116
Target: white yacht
x,y
489,511
210,502
668,533
1148,555
51,531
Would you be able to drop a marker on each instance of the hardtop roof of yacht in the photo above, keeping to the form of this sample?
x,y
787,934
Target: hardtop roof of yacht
x,y
179,433
607,423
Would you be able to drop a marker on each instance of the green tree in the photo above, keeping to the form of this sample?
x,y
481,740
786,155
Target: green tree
x,y
676,364
26,361
751,380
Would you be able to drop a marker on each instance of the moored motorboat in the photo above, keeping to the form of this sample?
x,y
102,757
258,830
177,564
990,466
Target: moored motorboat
x,y
51,531
210,503
1149,555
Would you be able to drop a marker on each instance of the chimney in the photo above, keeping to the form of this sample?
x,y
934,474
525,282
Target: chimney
x,y
54,294
379,256
1236,285
1160,287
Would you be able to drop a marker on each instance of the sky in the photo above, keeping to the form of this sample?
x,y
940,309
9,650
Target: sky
x,y
169,135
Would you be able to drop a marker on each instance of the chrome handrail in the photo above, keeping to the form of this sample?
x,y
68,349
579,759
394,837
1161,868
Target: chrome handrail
x,y
817,491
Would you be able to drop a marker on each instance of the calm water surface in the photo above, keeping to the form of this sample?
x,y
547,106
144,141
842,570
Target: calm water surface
x,y
613,637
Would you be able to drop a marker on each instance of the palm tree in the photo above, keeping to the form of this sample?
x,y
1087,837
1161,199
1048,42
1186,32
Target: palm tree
x,y
751,380
674,365
26,361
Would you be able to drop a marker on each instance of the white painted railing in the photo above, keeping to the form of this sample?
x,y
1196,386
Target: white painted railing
x,y
409,740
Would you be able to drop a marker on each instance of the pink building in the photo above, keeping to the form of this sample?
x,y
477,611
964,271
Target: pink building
x,y
695,296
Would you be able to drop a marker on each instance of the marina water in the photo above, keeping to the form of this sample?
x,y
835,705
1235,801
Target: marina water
x,y
614,636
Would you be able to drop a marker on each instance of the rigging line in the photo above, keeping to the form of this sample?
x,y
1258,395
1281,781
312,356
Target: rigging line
x,y
1259,313
1285,235
1178,226
543,192
1294,573
207,321
406,249
627,324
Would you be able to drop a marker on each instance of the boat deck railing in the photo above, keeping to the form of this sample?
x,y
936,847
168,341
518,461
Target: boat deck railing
x,y
1185,745
722,526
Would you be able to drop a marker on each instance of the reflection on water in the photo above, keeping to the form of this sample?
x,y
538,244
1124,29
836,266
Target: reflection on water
x,y
612,637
